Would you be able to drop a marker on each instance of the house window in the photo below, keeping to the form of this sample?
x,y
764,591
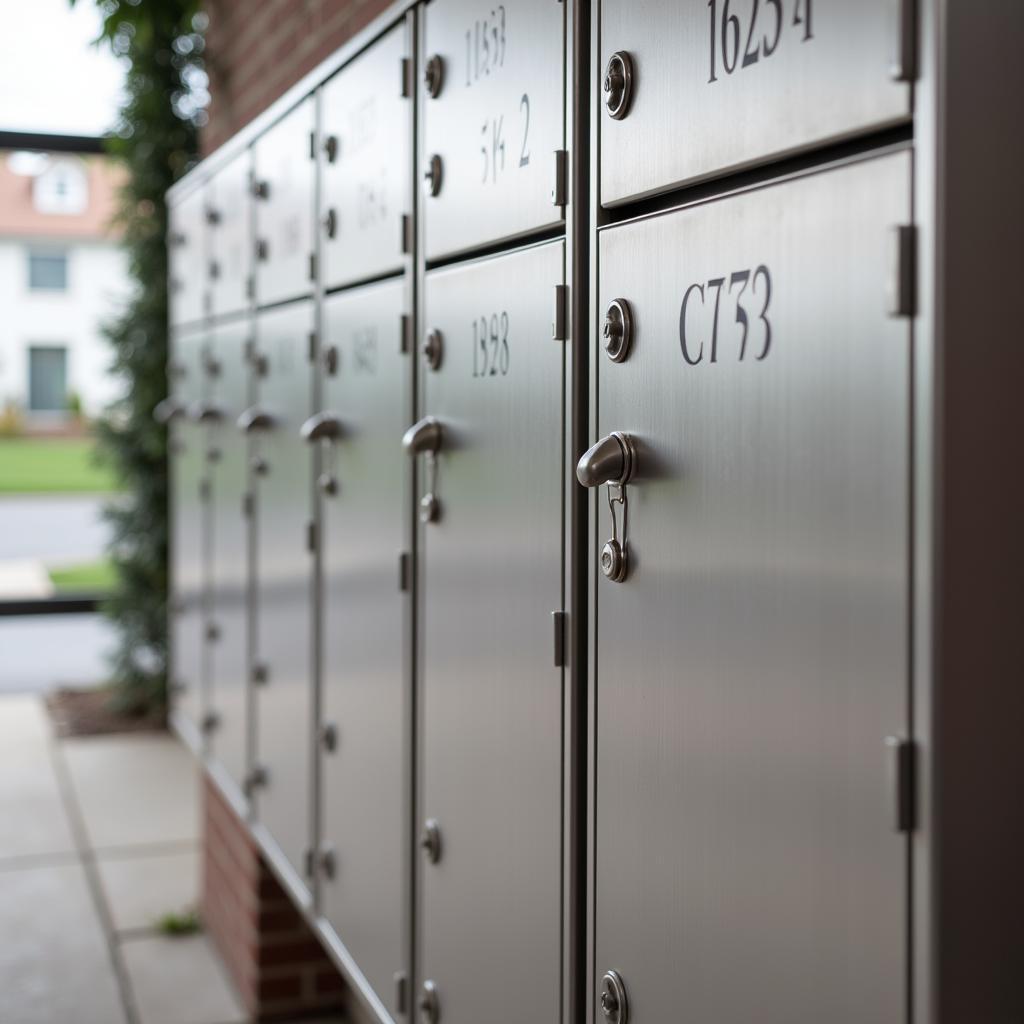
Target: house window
x,y
47,378
62,188
48,271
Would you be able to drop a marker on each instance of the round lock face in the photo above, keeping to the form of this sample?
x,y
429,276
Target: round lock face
x,y
433,349
327,483
618,330
613,999
613,561
618,84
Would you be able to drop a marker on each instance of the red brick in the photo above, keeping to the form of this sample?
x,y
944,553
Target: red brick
x,y
272,956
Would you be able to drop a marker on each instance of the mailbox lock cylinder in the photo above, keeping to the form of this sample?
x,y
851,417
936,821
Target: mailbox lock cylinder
x,y
433,348
613,1001
432,175
433,75
618,84
618,330
611,461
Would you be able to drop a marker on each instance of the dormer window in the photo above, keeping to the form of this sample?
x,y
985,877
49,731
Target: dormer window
x,y
62,187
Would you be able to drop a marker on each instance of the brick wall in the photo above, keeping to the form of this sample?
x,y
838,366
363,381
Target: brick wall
x,y
256,49
277,965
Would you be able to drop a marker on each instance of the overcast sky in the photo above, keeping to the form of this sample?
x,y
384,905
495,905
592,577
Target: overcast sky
x,y
52,79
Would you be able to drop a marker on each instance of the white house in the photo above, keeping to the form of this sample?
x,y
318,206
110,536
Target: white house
x,y
63,273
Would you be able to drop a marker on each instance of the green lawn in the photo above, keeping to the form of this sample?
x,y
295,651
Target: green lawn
x,y
90,578
63,465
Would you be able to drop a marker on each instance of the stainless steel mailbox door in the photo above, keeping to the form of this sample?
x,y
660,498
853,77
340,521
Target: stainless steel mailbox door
x,y
366,134
231,245
228,470
753,662
189,529
282,640
187,258
719,85
496,123
285,208
365,688
490,697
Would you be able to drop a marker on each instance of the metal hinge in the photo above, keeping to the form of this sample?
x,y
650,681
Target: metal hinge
x,y
401,989
904,66
405,70
902,755
405,329
406,234
558,322
308,861
312,266
403,571
902,299
250,286
560,189
561,622
260,673
312,145
262,249
204,489
247,505
311,537
311,350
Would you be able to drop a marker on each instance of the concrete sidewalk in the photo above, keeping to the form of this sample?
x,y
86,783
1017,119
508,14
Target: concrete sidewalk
x,y
99,837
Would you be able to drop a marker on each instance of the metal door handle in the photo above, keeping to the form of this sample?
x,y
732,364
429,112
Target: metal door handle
x,y
203,412
324,426
167,410
254,419
424,436
611,461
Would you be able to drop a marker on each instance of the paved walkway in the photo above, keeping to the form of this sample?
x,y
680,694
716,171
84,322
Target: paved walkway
x,y
99,837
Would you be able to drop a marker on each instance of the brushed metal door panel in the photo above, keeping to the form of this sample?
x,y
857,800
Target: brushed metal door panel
x,y
752,664
366,186
365,691
187,257
284,217
231,257
228,469
490,695
681,127
282,641
497,122
189,529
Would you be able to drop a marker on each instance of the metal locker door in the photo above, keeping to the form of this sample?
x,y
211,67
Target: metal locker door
x,y
367,131
282,636
494,119
365,692
690,90
187,257
231,247
228,470
753,662
285,208
189,539
490,694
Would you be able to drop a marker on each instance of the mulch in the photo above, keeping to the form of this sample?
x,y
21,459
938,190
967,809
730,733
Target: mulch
x,y
92,713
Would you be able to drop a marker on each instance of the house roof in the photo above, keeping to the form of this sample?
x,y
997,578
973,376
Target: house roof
x,y
19,212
